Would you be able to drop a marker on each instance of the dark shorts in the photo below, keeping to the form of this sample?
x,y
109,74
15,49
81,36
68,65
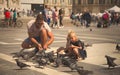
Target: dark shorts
x,y
27,40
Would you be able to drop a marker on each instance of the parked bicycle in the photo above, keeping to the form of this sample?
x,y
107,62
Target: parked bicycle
x,y
18,23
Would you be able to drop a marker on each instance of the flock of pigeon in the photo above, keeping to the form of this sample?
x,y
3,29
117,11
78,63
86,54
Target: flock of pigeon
x,y
43,58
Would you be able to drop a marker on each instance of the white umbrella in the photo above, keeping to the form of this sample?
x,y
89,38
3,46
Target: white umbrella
x,y
114,9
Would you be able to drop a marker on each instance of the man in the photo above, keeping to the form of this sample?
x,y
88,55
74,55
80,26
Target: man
x,y
40,35
61,15
46,13
7,17
87,17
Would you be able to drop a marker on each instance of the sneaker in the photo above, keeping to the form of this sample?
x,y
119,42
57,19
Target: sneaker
x,y
62,26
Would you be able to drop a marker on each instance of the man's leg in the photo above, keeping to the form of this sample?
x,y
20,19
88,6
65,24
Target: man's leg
x,y
43,37
26,45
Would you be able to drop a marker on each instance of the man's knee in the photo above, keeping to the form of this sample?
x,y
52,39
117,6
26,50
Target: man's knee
x,y
25,45
43,31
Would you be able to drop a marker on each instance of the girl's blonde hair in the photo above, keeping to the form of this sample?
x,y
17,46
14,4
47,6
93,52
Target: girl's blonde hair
x,y
71,34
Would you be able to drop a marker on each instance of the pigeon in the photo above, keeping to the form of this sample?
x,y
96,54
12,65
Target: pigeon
x,y
90,29
41,62
32,53
43,58
118,47
110,61
50,56
21,64
25,55
84,72
58,60
71,63
18,54
88,45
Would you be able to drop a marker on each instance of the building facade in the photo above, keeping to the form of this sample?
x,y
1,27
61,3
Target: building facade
x,y
10,3
94,6
65,4
32,4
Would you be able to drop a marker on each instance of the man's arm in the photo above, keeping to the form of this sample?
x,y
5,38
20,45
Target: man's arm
x,y
36,43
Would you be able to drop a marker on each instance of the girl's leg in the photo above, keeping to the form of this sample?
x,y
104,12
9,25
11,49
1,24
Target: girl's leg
x,y
76,51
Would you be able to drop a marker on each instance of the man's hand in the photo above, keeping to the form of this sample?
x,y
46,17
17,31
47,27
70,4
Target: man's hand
x,y
39,47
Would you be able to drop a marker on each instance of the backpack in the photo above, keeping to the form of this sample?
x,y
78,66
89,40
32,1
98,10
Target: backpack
x,y
105,16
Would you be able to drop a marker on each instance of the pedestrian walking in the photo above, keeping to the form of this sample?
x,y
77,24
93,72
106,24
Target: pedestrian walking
x,y
61,15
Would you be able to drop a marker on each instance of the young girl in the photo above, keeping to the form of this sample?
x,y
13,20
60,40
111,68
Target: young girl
x,y
73,45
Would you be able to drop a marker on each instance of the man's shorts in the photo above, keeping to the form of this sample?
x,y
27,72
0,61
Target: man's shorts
x,y
7,19
27,40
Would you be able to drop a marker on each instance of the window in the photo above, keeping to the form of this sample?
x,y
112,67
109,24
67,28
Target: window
x,y
90,1
74,2
70,2
79,1
54,1
61,1
101,1
46,1
115,1
1,1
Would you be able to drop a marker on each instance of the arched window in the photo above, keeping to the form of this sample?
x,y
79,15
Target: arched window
x,y
79,1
